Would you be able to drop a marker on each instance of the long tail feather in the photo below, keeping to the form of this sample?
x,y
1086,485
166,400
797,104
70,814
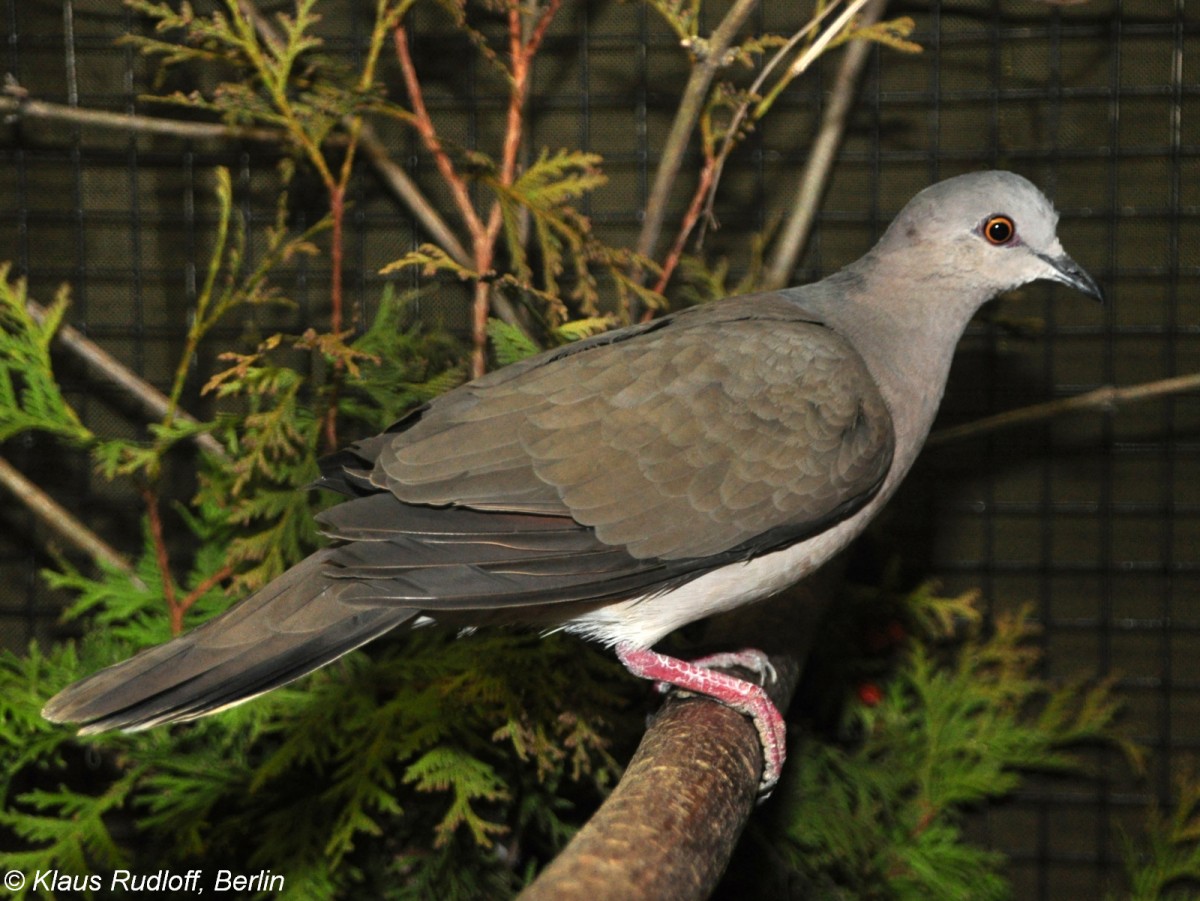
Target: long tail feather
x,y
294,625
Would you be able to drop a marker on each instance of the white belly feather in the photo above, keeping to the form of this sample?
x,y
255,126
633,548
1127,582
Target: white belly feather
x,y
644,620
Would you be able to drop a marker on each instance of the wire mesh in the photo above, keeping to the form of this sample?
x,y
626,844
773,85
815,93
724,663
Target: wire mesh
x,y
1094,519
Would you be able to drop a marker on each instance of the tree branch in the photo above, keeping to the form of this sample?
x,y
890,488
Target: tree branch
x,y
714,162
704,186
483,235
60,520
806,59
17,106
690,107
428,132
153,402
815,179
202,589
407,191
150,497
522,51
1104,399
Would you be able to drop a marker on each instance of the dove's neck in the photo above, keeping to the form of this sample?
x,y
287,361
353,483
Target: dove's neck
x,y
906,325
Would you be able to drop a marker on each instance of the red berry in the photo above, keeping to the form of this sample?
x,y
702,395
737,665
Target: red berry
x,y
870,694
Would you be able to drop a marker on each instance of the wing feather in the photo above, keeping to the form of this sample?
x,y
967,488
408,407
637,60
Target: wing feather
x,y
689,441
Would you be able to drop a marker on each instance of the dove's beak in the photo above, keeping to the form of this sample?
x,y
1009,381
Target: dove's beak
x,y
1070,273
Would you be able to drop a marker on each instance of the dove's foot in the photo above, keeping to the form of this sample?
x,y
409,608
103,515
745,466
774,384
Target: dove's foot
x,y
744,697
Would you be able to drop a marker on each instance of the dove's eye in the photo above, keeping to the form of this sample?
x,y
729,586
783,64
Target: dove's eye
x,y
999,230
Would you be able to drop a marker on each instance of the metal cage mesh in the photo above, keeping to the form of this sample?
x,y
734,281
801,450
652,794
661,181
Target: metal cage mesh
x,y
1094,519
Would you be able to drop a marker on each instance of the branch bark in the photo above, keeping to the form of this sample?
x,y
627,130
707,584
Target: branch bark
x,y
20,107
667,831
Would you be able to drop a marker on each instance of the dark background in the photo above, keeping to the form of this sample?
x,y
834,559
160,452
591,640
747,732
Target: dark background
x,y
1094,519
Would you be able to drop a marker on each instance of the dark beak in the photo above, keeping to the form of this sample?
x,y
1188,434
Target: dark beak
x,y
1067,271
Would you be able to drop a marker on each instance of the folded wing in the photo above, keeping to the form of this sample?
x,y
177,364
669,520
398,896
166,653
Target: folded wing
x,y
611,469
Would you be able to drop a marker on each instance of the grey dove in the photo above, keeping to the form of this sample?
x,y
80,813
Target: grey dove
x,y
630,483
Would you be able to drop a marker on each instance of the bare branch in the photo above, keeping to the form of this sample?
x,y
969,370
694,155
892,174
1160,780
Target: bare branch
x,y
58,519
428,132
153,402
12,107
162,558
691,216
794,70
1104,400
667,831
407,191
813,182
705,193
690,107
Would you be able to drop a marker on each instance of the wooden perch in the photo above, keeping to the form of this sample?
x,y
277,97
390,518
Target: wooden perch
x,y
669,828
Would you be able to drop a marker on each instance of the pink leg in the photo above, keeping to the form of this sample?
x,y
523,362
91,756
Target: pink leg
x,y
744,697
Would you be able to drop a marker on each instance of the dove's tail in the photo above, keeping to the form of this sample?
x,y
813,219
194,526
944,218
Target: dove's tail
x,y
294,625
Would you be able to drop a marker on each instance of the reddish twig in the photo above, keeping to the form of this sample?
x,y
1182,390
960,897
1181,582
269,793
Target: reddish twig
x,y
704,186
691,106
481,244
522,51
176,608
337,212
425,128
701,206
150,496
205,586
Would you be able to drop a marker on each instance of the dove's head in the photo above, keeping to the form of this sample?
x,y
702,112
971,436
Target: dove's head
x,y
989,231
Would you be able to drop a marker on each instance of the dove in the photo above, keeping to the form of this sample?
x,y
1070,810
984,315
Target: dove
x,y
630,483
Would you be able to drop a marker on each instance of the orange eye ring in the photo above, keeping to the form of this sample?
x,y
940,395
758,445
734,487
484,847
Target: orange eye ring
x,y
999,230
